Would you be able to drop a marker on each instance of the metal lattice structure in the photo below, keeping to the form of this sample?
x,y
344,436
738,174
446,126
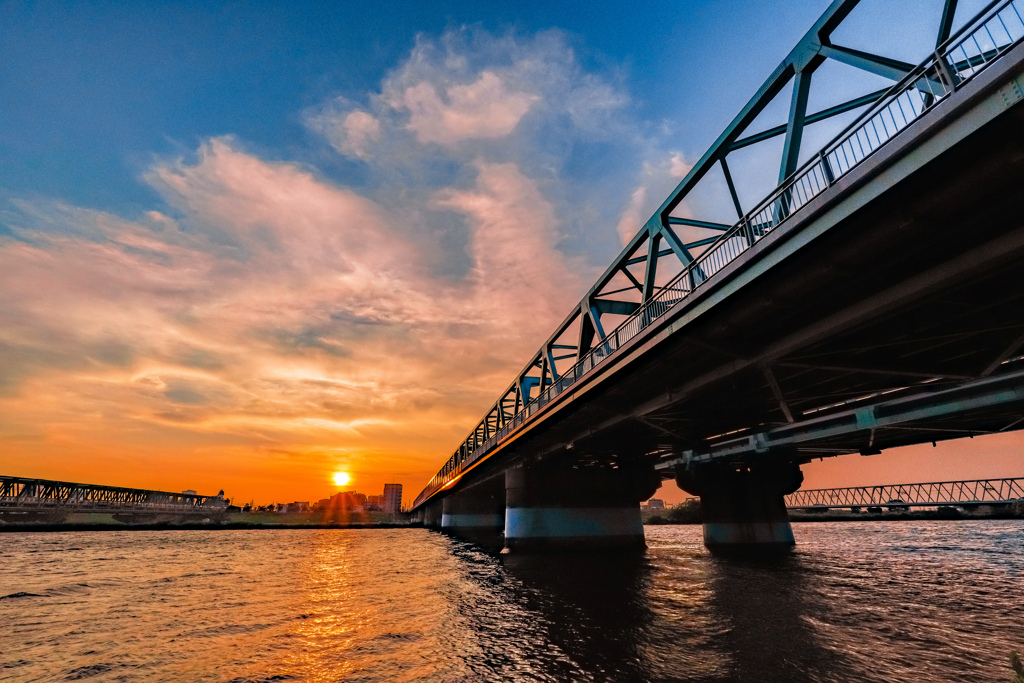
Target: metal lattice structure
x,y
673,255
954,493
18,494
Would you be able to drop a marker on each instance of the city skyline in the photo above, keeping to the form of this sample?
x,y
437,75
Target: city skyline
x,y
246,251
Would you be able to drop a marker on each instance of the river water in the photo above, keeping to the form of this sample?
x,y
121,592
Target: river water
x,y
873,601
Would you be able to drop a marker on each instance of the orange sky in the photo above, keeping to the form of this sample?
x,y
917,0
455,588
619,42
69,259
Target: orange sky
x,y
297,336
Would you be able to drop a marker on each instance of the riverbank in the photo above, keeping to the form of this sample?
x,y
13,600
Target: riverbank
x,y
106,522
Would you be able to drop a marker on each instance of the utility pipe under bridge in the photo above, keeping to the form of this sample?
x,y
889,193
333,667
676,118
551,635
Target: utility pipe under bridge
x,y
22,498
954,493
872,300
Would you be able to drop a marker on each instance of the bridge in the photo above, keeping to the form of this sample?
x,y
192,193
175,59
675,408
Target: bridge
x,y
970,493
871,300
22,498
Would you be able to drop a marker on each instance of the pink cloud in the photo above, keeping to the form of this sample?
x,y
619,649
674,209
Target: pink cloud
x,y
353,133
518,269
655,182
482,109
280,311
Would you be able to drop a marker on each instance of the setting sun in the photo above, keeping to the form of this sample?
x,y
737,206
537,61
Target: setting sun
x,y
341,478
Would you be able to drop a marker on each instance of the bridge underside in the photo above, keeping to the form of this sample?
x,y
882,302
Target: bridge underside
x,y
888,312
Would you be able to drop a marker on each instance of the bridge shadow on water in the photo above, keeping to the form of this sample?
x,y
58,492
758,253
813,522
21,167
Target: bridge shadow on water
x,y
767,609
670,614
596,610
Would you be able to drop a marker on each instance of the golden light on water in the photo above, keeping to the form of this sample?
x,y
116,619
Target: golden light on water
x,y
341,478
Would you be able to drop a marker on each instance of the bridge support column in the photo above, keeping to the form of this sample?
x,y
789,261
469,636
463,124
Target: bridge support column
x,y
743,505
476,514
564,508
432,515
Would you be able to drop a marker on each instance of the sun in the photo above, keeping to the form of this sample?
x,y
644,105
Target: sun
x,y
341,478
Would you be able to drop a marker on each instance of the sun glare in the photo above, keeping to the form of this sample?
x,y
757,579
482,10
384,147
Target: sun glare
x,y
341,478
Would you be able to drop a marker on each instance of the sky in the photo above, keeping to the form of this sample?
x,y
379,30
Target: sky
x,y
244,246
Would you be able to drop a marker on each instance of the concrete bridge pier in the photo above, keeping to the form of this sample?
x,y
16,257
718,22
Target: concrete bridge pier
x,y
476,513
743,504
432,515
559,508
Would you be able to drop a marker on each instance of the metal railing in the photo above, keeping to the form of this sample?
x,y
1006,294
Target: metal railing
x,y
992,32
974,492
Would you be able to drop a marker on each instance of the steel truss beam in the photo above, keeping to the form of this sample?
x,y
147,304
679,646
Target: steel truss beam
x,y
853,429
17,493
973,492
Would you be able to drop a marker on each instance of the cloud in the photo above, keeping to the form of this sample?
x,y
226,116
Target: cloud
x,y
262,310
361,130
352,133
482,109
518,269
657,180
276,301
469,96
633,217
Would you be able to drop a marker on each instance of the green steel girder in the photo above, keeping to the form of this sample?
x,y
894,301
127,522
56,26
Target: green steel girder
x,y
810,118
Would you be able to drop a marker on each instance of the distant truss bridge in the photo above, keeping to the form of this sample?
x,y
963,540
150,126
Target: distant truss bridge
x,y
958,493
37,495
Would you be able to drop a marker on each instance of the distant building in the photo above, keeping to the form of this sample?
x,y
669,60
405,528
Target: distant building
x,y
655,504
392,498
346,501
357,501
353,501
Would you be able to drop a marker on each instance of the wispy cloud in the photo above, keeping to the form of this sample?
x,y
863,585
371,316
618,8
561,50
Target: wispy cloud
x,y
265,316
482,109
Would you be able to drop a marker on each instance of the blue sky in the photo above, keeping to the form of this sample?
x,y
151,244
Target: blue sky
x,y
246,245
94,90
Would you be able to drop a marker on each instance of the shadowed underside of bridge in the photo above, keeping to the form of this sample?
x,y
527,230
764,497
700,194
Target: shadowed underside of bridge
x,y
885,310
919,292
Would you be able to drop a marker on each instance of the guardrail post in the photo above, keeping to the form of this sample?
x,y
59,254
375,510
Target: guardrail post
x,y
748,232
947,74
826,169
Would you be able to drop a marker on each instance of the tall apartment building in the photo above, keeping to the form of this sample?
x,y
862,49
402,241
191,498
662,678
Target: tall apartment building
x,y
392,497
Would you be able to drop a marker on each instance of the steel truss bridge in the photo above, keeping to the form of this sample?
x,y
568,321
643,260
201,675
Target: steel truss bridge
x,y
34,495
954,493
873,299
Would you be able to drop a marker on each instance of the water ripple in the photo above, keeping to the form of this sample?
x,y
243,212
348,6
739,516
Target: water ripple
x,y
855,602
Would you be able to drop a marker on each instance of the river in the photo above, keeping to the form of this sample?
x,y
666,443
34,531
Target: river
x,y
872,601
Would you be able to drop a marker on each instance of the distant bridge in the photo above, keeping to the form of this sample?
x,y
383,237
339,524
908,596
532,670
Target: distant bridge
x,y
956,493
20,495
872,300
